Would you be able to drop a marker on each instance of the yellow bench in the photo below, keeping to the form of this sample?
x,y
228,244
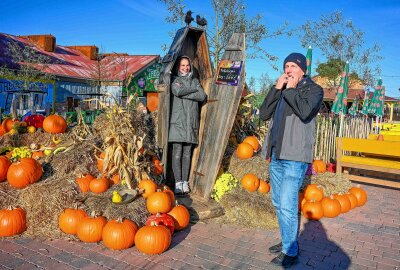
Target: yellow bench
x,y
386,132
378,156
390,138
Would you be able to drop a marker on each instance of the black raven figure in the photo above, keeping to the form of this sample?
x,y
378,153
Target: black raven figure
x,y
201,21
188,17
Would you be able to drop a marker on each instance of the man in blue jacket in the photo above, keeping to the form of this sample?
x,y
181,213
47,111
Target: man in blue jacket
x,y
292,105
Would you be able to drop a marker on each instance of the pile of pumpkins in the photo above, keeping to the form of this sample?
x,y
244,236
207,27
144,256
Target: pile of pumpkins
x,y
21,173
314,205
248,147
153,238
252,183
52,124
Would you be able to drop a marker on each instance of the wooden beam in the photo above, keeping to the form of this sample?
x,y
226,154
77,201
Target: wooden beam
x,y
374,181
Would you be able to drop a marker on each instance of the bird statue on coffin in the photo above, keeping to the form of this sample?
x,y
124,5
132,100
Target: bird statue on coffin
x,y
201,21
188,18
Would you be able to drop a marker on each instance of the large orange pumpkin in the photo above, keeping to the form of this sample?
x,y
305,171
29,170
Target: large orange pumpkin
x,y
99,185
319,166
264,187
84,182
12,221
90,228
314,192
158,202
4,165
312,210
360,194
148,186
253,141
24,172
250,182
54,124
69,219
181,216
153,239
344,201
244,151
7,124
119,234
331,207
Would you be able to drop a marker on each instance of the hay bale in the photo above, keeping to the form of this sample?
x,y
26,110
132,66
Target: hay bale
x,y
255,165
332,183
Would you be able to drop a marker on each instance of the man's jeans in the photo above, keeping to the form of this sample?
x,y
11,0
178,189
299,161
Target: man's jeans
x,y
286,179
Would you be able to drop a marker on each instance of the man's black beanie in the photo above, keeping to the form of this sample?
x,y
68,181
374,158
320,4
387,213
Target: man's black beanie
x,y
298,59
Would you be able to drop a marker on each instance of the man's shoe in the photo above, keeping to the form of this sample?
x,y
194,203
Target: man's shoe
x,y
285,260
276,248
185,187
178,188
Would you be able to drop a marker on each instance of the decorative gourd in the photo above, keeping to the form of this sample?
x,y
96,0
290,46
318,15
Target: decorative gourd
x,y
331,207
250,182
12,221
99,185
319,166
148,186
312,210
162,219
344,201
4,165
24,172
360,194
84,182
264,187
153,239
353,200
253,141
90,228
244,151
181,216
69,219
158,202
314,192
35,120
54,124
119,234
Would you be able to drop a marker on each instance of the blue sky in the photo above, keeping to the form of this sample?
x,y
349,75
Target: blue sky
x,y
138,26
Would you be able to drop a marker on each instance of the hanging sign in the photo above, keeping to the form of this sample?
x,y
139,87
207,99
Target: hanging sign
x,y
229,72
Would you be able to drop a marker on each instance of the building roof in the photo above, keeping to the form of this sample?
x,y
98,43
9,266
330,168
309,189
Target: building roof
x,y
67,61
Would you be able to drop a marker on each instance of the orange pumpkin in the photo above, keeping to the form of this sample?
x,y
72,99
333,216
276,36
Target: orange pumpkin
x,y
253,141
12,221
37,154
90,228
2,131
4,165
100,161
152,101
7,124
331,207
344,201
244,151
115,179
181,216
301,200
380,137
171,194
153,239
360,194
119,234
69,219
24,172
158,167
319,166
250,182
54,124
99,185
158,202
148,186
263,187
312,210
353,200
84,182
314,192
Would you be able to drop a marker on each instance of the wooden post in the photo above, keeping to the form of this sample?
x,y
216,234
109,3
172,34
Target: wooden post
x,y
339,155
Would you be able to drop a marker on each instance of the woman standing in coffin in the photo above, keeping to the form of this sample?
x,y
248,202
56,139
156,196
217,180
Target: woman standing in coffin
x,y
184,121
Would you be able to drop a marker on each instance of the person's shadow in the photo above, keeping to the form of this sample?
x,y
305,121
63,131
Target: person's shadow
x,y
317,251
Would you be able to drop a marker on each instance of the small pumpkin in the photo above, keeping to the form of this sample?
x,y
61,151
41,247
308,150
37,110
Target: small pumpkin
x,y
115,179
152,101
100,161
119,234
4,165
380,137
84,182
244,151
69,219
12,221
181,216
158,167
331,207
360,194
344,201
253,141
7,124
37,154
158,202
99,185
312,210
250,182
319,166
54,124
24,172
90,228
264,187
153,239
353,200
162,219
148,186
314,192
171,194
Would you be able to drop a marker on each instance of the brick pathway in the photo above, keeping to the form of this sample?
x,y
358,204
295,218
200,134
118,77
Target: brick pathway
x,y
365,238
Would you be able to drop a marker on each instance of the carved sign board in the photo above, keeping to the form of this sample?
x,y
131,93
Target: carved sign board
x,y
229,72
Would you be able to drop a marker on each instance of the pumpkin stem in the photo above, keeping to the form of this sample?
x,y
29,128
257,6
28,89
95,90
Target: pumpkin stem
x,y
120,219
